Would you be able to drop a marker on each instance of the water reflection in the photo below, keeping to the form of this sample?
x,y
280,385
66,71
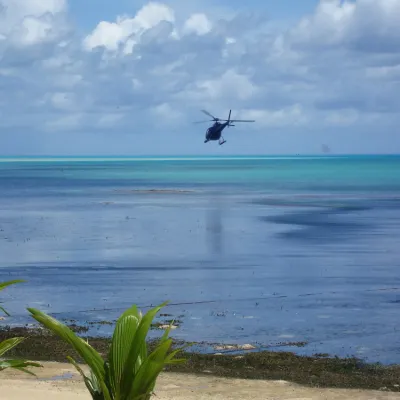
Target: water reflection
x,y
214,224
320,225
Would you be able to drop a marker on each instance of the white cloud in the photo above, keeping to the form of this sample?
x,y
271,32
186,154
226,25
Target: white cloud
x,y
65,123
197,23
109,120
342,118
127,31
32,31
63,100
34,7
290,116
153,70
29,15
385,72
369,25
329,24
230,85
165,114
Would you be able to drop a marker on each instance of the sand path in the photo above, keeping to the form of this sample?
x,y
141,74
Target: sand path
x,y
171,386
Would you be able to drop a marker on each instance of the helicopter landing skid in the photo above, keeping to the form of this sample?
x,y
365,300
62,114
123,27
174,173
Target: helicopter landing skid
x,y
221,143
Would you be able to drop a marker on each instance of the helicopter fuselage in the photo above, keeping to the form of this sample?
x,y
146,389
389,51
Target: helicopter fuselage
x,y
214,132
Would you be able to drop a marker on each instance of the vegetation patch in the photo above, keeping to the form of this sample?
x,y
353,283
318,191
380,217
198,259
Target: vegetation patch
x,y
320,370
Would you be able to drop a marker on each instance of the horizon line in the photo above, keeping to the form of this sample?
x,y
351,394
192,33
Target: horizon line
x,y
196,155
155,158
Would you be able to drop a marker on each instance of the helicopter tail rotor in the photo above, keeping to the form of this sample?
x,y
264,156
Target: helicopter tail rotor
x,y
229,119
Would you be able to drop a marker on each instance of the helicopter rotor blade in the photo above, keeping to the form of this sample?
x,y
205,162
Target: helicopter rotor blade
x,y
238,120
210,115
202,122
243,120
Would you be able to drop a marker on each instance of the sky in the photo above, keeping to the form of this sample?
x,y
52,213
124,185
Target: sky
x,y
129,77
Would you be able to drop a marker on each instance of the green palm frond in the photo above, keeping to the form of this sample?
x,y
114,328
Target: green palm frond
x,y
6,346
128,372
9,344
3,285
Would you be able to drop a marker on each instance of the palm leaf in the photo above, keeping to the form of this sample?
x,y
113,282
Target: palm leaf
x,y
87,352
141,334
122,341
3,285
4,311
19,364
147,375
23,369
91,385
9,344
6,346
129,372
134,360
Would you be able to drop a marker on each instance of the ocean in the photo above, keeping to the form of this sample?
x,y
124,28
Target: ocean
x,y
288,253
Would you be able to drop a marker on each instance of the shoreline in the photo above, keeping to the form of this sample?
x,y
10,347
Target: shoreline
x,y
60,381
318,371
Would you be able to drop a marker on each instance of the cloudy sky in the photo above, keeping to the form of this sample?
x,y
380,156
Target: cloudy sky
x,y
106,77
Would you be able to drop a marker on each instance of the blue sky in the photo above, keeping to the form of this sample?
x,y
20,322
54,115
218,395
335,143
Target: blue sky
x,y
101,77
89,12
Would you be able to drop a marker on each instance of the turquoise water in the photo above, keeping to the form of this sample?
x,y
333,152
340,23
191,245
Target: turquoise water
x,y
253,173
262,250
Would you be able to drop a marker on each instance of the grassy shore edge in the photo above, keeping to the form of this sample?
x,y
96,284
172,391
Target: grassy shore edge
x,y
317,371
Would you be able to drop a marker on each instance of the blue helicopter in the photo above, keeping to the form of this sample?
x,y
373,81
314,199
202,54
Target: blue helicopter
x,y
214,132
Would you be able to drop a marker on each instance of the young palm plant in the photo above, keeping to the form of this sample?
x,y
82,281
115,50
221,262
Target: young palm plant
x,y
3,285
9,344
129,371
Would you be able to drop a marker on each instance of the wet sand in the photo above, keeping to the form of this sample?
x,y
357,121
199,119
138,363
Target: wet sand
x,y
60,381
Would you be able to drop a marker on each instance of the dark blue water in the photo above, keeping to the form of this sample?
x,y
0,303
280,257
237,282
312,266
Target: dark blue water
x,y
248,250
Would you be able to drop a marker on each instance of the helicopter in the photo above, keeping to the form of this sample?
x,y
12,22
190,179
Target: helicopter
x,y
214,132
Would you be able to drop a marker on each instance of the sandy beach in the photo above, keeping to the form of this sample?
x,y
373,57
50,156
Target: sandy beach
x,y
60,381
